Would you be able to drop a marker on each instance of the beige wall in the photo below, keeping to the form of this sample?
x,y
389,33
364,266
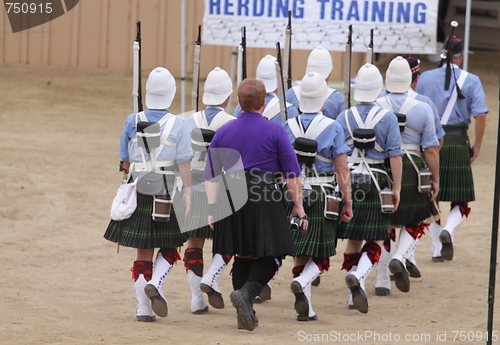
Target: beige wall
x,y
98,35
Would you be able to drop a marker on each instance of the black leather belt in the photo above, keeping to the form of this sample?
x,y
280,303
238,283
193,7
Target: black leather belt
x,y
455,130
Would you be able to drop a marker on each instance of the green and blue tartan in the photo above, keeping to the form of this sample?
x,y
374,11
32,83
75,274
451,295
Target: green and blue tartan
x,y
413,205
321,239
142,232
368,221
455,173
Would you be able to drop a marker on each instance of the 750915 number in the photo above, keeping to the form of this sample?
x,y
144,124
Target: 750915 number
x,y
26,7
473,336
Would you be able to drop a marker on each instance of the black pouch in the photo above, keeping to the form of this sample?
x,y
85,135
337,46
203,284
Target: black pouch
x,y
363,138
306,150
362,182
401,122
201,138
148,135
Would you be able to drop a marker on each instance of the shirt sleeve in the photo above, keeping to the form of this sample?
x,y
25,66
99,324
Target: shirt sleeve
x,y
428,137
127,134
393,139
478,105
183,152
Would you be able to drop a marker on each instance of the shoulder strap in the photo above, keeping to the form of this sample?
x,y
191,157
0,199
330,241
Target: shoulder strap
x,y
375,116
408,105
453,98
385,102
200,119
296,127
317,126
219,120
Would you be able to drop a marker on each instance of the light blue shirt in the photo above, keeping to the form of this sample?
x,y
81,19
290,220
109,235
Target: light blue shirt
x,y
291,112
179,135
386,132
431,84
334,104
419,119
331,142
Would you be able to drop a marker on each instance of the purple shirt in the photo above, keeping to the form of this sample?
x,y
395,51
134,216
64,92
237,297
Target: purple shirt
x,y
262,145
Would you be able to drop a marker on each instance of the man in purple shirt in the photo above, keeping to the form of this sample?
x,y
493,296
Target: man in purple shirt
x,y
251,150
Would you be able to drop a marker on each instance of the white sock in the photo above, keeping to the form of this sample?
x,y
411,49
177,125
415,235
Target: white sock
x,y
434,231
454,220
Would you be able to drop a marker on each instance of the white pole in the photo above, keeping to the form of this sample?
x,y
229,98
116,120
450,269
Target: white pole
x,y
467,34
234,53
183,56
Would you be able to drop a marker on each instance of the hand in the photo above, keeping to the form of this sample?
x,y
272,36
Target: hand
x,y
186,203
298,211
474,153
346,213
395,200
211,221
434,190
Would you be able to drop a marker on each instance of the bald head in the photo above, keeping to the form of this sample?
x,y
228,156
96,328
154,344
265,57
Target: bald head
x,y
251,95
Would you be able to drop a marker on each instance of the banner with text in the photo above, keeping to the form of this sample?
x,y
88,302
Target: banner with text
x,y
406,26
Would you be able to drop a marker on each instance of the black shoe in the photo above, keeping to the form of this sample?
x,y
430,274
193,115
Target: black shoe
x,y
201,311
413,269
401,277
447,249
382,291
145,318
214,298
242,301
359,299
301,303
437,259
240,326
316,281
302,318
158,303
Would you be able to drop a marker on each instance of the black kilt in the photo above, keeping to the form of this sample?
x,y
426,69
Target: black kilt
x,y
260,228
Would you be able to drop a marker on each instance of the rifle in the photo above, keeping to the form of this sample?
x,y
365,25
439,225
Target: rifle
x,y
287,78
369,51
446,54
196,71
242,57
136,85
281,85
347,70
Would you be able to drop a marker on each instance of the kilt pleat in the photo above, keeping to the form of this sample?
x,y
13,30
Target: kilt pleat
x,y
455,173
142,232
259,229
321,238
413,205
368,221
197,217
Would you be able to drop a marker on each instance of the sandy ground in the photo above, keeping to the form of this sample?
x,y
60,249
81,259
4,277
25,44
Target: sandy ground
x,y
63,283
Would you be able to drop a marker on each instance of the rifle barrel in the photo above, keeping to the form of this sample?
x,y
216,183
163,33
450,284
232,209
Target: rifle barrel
x,y
347,70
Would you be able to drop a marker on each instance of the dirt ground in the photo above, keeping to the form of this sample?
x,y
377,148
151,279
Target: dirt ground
x,y
63,283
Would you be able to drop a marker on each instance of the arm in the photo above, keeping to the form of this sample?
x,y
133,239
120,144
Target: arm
x,y
344,179
479,125
432,159
211,190
185,172
295,188
397,169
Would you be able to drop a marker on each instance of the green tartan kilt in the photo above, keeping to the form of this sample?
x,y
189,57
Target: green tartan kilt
x,y
413,205
197,217
368,221
142,232
455,173
321,239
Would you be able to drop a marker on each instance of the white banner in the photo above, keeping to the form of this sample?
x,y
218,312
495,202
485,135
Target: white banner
x,y
406,26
